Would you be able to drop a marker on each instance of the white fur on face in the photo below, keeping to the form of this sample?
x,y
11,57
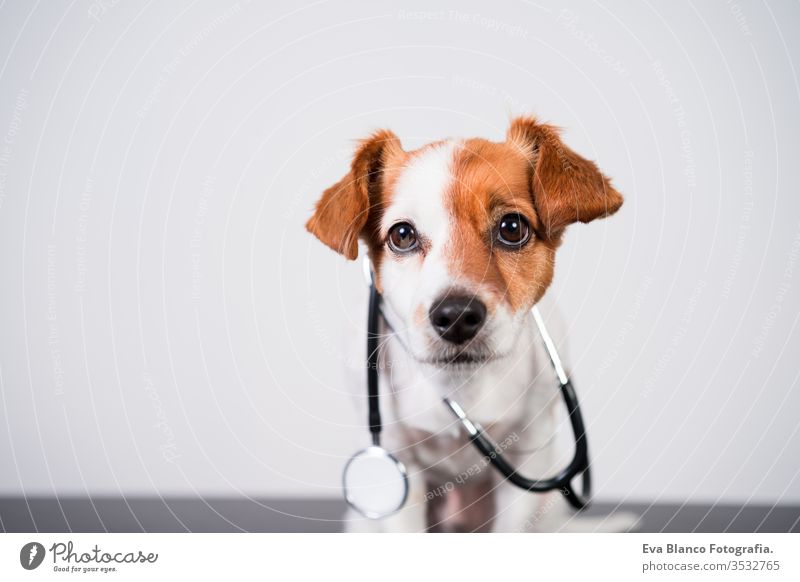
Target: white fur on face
x,y
413,283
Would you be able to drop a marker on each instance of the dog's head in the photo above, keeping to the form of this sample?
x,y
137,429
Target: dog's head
x,y
462,234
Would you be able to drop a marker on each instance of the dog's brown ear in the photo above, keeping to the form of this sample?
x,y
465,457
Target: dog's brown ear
x,y
566,187
342,212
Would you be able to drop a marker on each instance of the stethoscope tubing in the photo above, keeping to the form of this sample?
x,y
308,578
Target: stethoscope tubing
x,y
562,481
373,344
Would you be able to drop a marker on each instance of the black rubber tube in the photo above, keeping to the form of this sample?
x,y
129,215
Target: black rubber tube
x,y
563,481
374,420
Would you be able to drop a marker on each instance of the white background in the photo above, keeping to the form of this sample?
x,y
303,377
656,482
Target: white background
x,y
169,327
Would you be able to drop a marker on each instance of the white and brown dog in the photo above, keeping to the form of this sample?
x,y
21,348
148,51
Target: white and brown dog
x,y
462,236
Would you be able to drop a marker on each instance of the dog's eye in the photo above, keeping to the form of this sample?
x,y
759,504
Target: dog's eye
x,y
513,230
402,238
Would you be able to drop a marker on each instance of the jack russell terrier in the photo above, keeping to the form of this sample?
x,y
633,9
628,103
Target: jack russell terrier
x,y
462,237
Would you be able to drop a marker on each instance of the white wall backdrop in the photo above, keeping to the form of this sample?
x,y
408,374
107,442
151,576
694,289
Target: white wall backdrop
x,y
167,326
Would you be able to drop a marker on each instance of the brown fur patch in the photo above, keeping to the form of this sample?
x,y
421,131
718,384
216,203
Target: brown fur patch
x,y
352,207
566,187
491,180
532,173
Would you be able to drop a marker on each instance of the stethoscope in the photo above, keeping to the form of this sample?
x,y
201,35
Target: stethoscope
x,y
375,482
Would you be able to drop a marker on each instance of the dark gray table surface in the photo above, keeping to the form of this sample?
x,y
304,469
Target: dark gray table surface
x,y
179,514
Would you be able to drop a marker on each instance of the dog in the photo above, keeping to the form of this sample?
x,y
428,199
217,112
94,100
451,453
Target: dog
x,y
462,235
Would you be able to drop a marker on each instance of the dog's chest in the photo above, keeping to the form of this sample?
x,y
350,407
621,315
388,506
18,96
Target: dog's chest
x,y
504,400
448,456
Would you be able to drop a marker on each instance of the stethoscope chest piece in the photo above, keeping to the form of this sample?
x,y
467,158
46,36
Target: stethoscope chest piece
x,y
375,483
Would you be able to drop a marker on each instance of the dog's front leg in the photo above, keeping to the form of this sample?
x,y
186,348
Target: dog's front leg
x,y
521,511
518,510
411,518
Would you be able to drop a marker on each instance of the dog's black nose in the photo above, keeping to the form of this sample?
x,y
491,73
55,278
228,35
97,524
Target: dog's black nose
x,y
457,318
